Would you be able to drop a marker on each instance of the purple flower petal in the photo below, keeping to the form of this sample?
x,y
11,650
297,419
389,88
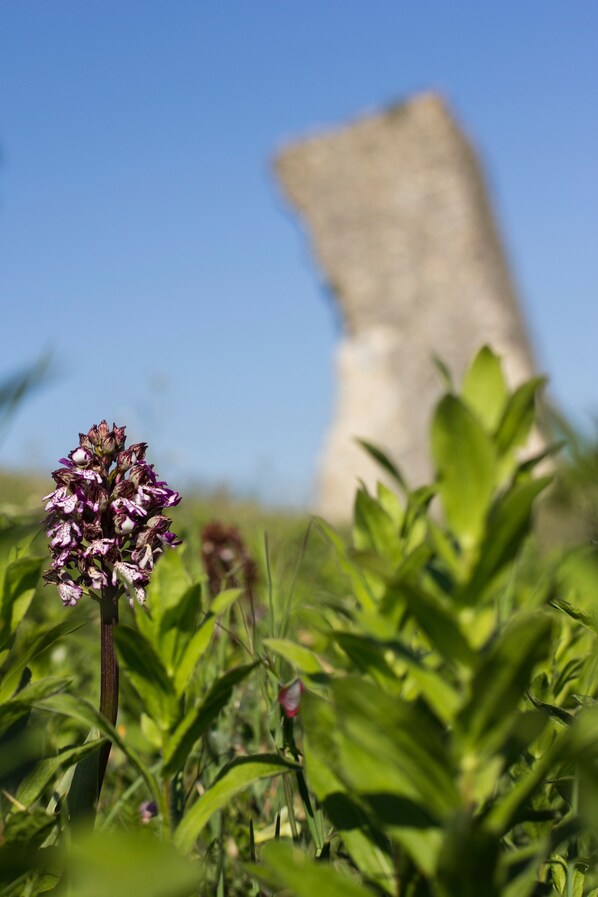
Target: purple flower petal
x,y
69,592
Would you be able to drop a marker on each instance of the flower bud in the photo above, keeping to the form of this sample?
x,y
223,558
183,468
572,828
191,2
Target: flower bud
x,y
80,456
147,810
289,698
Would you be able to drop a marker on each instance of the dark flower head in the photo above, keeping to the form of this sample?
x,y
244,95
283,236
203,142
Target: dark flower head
x,y
104,523
225,556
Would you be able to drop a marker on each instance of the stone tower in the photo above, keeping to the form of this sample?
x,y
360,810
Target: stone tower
x,y
401,226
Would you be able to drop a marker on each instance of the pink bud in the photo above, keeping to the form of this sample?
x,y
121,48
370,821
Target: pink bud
x,y
289,698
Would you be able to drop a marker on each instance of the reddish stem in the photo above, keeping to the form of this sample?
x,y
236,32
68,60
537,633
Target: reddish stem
x,y
109,672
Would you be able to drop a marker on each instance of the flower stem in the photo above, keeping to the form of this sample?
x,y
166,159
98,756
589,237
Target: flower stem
x,y
109,671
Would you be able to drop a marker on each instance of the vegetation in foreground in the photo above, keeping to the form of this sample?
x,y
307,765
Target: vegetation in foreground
x,y
406,709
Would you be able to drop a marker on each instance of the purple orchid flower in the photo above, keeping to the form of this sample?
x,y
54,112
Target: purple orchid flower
x,y
104,519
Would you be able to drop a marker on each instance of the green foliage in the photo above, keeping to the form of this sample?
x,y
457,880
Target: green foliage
x,y
448,724
447,740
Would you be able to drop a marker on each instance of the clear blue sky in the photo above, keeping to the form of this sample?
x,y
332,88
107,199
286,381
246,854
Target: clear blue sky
x,y
144,242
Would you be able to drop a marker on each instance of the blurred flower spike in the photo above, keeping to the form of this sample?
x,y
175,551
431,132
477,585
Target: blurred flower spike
x,y
289,698
105,524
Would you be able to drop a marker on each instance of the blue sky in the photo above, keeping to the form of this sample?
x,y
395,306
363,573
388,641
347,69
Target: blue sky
x,y
144,242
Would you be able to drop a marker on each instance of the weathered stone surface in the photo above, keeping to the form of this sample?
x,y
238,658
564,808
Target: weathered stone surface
x,y
402,228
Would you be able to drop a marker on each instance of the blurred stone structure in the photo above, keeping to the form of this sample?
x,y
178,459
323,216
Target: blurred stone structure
x,y
402,229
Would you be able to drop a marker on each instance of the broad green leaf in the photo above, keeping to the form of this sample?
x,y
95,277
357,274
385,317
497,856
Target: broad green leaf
x,y
484,388
26,650
177,626
83,788
85,713
373,528
439,624
374,863
319,718
20,581
507,526
440,695
235,777
200,718
391,504
193,653
297,655
170,582
366,655
303,877
466,465
224,600
414,524
387,745
502,678
146,672
122,864
518,417
20,705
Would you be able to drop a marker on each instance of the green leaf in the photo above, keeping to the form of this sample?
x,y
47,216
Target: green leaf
x,y
508,524
366,654
81,710
373,528
391,504
177,626
294,870
579,616
26,650
20,582
169,586
439,624
502,678
385,463
518,417
484,388
200,718
121,864
194,651
224,600
439,694
20,705
148,675
465,461
234,777
297,655
388,745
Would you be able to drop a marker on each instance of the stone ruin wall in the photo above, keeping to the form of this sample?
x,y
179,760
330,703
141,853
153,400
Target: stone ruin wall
x,y
401,226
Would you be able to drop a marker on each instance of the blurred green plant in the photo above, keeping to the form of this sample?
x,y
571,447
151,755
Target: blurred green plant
x,y
449,719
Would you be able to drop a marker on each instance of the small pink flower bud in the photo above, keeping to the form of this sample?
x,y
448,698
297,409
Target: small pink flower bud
x,y
289,698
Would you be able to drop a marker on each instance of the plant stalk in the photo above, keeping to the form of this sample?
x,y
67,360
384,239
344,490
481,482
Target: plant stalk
x,y
109,672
